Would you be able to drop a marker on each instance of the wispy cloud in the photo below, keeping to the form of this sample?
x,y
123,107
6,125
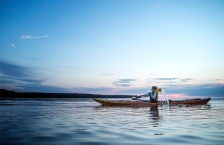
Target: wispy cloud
x,y
18,77
187,79
32,37
13,70
13,45
123,82
214,89
181,80
166,79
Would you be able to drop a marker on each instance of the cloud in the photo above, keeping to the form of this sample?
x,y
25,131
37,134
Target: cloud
x,y
32,37
38,87
186,79
166,79
181,80
29,85
199,90
14,75
123,82
20,78
12,70
13,45
163,80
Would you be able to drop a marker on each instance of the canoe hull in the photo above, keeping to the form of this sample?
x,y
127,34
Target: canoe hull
x,y
148,104
191,102
125,103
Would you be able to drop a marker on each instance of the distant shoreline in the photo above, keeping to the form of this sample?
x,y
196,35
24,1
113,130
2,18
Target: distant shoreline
x,y
11,94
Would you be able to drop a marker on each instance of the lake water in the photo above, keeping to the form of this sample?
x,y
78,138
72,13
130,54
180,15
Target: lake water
x,y
85,122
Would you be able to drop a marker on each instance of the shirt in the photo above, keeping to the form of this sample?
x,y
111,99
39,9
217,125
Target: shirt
x,y
153,96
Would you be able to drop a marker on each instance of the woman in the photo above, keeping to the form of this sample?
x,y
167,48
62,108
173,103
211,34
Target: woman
x,y
153,95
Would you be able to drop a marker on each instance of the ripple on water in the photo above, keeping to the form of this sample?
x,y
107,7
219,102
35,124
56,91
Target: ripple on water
x,y
71,121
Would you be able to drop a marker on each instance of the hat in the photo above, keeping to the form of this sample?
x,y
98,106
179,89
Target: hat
x,y
154,87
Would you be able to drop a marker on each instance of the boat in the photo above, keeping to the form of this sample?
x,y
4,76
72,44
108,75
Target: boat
x,y
197,101
147,103
137,103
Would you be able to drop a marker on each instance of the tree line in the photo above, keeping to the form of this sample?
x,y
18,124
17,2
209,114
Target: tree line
x,y
12,94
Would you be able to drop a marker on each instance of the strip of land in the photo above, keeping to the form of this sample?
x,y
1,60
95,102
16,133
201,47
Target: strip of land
x,y
4,94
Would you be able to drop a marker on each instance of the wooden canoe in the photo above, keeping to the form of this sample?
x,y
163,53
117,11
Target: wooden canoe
x,y
191,102
138,103
141,103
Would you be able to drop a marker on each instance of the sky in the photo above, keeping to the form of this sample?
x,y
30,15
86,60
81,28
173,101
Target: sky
x,y
112,46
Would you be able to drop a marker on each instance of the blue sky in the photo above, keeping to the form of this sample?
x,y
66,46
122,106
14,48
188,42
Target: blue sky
x,y
112,46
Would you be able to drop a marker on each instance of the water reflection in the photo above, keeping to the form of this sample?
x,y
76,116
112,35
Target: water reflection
x,y
154,111
135,111
190,107
154,116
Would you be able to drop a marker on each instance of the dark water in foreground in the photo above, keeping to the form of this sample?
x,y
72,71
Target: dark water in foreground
x,y
84,122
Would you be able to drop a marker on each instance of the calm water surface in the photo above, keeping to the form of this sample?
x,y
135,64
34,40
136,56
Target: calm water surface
x,y
85,122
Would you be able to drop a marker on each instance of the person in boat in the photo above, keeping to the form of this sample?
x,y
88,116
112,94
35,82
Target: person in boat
x,y
153,96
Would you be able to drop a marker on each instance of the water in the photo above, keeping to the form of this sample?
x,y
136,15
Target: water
x,y
85,122
164,94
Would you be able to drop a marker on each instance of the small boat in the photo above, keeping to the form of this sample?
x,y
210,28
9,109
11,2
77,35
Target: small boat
x,y
137,103
198,101
146,103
